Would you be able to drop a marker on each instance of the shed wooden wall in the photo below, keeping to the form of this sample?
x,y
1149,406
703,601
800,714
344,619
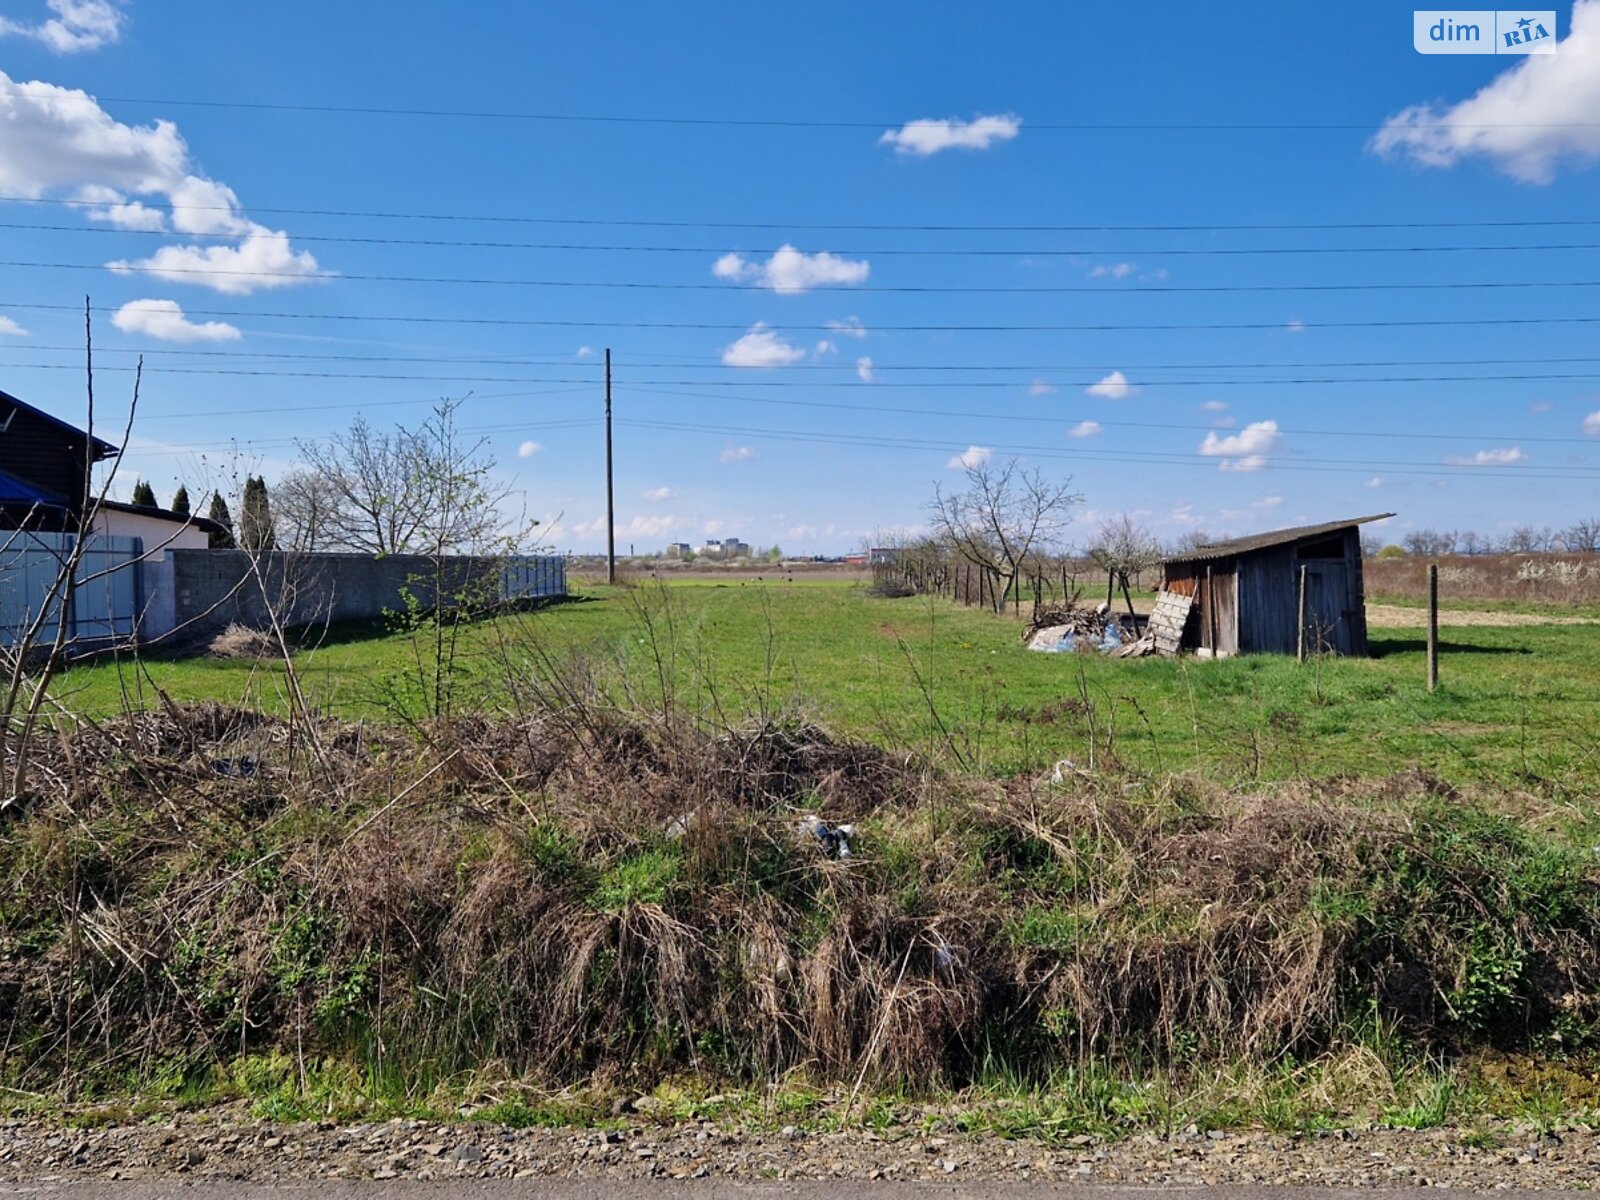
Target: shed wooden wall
x,y
1252,602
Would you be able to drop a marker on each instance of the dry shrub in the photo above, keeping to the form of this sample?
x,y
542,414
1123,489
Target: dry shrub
x,y
241,641
577,894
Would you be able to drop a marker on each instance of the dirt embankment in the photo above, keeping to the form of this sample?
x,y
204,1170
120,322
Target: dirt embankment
x,y
1397,616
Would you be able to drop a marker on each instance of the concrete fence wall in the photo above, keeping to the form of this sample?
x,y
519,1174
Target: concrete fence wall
x,y
205,590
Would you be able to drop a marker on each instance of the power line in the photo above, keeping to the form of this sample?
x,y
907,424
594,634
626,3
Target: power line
x,y
723,326
644,285
1072,418
703,362
796,123
978,383
646,223
1209,462
877,252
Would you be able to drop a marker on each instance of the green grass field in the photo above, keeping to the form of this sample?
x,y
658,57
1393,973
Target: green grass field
x,y
1518,705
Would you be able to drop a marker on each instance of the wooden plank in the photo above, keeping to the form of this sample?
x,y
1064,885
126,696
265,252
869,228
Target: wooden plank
x,y
1167,621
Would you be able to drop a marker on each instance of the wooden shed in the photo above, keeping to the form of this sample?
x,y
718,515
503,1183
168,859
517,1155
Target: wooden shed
x,y
1246,591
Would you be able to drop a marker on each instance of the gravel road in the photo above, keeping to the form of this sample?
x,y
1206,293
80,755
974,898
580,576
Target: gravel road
x,y
202,1149
534,1189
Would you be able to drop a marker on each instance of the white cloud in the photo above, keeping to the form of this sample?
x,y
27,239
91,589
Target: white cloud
x,y
658,494
55,139
164,320
1214,406
761,347
642,527
264,259
77,26
1040,387
585,352
972,456
1246,450
649,526
1084,429
826,346
528,449
790,271
924,137
864,369
1114,386
1375,482
1529,119
9,328
738,454
1267,502
1540,406
850,327
1119,270
1591,423
1503,457
1296,326
114,209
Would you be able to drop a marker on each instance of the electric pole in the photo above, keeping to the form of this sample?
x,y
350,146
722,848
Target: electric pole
x,y
611,515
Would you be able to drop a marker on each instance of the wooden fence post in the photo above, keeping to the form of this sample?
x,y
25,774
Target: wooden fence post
x,y
1433,626
1300,631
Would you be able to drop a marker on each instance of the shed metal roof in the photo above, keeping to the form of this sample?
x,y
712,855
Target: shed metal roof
x,y
1265,541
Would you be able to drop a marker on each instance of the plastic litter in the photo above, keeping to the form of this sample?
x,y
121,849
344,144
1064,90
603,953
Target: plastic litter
x,y
679,825
234,768
835,839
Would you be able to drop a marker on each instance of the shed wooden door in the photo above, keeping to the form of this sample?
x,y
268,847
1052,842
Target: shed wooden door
x,y
1327,612
1220,612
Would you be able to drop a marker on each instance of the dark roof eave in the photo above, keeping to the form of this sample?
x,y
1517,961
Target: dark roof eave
x,y
102,448
204,524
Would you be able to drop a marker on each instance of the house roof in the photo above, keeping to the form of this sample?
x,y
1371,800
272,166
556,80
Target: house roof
x,y
1265,541
102,448
204,524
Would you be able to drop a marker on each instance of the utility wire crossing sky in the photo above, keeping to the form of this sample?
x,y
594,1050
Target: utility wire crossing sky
x,y
1233,275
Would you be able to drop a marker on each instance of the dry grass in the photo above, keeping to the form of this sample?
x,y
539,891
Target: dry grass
x,y
583,893
241,641
1555,579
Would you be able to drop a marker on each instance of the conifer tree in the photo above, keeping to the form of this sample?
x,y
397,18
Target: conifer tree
x,y
256,533
144,495
222,539
180,501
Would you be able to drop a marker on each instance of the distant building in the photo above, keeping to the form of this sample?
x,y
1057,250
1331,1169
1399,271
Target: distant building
x,y
883,556
680,550
734,548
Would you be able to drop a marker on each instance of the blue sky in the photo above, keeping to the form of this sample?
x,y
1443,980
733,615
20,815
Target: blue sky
x,y
1199,374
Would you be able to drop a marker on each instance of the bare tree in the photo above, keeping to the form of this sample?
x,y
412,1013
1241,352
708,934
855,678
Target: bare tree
x,y
1005,514
401,491
1123,548
303,505
1429,543
1524,539
1583,537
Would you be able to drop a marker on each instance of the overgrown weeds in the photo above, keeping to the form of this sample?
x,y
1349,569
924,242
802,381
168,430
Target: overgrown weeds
x,y
580,893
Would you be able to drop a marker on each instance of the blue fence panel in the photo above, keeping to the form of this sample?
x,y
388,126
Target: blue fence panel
x,y
533,577
103,603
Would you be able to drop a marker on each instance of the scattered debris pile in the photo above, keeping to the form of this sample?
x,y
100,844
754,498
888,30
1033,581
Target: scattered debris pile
x,y
1066,630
